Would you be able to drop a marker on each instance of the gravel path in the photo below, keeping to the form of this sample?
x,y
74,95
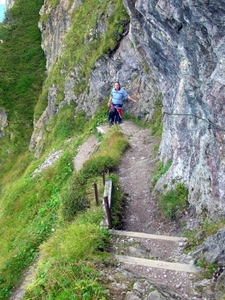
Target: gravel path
x,y
142,213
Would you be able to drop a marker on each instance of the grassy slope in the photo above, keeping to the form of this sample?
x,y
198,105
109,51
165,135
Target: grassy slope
x,y
41,213
33,208
22,66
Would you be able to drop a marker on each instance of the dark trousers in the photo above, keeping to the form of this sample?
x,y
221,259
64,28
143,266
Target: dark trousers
x,y
115,114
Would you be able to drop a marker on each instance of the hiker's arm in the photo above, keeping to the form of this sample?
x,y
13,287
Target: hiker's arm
x,y
132,99
109,102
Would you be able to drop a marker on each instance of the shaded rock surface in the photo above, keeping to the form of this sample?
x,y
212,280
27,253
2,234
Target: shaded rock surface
x,y
213,248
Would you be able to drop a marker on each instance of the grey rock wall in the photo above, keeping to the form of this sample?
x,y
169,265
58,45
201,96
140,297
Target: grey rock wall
x,y
184,44
175,48
9,3
55,27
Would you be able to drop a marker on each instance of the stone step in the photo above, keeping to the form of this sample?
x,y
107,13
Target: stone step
x,y
147,235
102,129
148,263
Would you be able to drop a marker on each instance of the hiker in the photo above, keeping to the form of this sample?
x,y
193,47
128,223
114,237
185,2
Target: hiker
x,y
117,95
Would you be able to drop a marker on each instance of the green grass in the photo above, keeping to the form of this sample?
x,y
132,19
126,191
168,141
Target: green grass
x,y
118,198
208,269
156,120
75,197
206,228
174,200
66,269
33,208
22,66
160,169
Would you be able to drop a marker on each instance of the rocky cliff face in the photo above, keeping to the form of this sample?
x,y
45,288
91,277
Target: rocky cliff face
x,y
174,48
9,3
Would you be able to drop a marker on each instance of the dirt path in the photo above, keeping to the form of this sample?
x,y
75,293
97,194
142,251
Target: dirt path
x,y
142,214
136,169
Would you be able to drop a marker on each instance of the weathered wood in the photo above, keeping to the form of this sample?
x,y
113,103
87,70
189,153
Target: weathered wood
x,y
108,213
107,221
129,260
96,193
108,191
148,236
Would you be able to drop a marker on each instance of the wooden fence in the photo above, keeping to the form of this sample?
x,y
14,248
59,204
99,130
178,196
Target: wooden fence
x,y
106,202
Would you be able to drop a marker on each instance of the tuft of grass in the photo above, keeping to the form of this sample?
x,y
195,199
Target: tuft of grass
x,y
206,228
75,198
208,269
67,261
156,121
160,169
173,201
118,198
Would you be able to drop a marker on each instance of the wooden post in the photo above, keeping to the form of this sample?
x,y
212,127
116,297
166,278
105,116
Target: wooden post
x,y
103,177
96,193
106,202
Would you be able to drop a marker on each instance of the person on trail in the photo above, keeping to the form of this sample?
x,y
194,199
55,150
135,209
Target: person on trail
x,y
117,95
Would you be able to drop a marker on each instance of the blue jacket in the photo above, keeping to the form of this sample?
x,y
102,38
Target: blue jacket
x,y
118,95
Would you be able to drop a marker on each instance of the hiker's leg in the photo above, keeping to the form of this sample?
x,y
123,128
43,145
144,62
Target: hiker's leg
x,y
111,116
117,119
118,115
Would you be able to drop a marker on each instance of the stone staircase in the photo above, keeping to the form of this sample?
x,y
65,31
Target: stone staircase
x,y
156,257
149,250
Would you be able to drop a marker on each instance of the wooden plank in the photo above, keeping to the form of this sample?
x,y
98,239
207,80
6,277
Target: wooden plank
x,y
147,235
108,191
157,264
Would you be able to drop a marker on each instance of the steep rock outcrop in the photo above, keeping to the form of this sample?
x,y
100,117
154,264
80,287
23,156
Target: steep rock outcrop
x,y
9,3
177,49
54,28
184,47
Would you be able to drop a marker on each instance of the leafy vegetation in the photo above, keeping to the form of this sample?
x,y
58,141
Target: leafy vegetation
x,y
206,228
173,201
208,269
68,258
22,66
156,120
75,198
160,169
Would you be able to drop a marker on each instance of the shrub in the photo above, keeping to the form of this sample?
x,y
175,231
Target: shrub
x,y
117,202
174,201
156,121
75,198
160,169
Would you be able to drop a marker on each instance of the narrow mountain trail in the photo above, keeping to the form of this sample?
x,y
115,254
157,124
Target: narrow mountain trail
x,y
135,172
149,248
147,255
